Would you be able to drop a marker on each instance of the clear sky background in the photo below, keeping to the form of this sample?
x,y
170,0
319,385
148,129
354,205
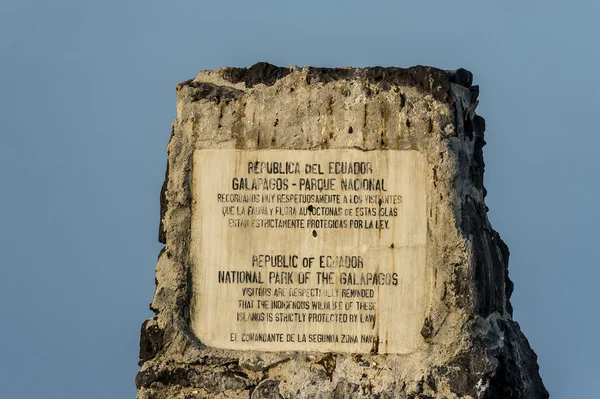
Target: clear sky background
x,y
87,100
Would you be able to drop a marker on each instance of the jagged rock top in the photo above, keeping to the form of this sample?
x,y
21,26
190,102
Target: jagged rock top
x,y
430,80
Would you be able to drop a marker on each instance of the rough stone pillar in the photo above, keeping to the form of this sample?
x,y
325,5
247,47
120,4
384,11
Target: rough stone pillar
x,y
419,253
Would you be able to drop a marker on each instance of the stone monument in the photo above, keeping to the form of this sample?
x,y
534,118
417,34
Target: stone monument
x,y
326,236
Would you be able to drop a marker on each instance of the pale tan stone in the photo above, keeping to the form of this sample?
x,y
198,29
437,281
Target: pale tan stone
x,y
452,332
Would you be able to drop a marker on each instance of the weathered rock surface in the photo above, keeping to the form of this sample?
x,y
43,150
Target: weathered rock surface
x,y
472,348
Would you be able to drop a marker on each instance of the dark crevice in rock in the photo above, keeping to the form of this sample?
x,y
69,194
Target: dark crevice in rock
x,y
477,167
479,164
151,340
489,267
234,368
162,233
213,360
468,127
329,363
431,383
427,330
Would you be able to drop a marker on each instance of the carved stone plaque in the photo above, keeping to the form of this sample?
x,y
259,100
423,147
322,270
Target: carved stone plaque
x,y
309,250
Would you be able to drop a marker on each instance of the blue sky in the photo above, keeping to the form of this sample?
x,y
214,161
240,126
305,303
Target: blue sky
x,y
86,104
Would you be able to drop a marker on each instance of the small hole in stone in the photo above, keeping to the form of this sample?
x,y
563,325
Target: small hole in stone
x,y
311,208
291,89
314,233
392,246
407,123
350,130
